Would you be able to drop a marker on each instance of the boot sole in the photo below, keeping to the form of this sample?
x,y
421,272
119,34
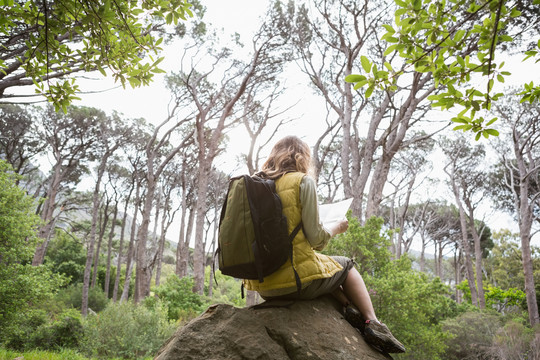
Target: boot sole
x,y
382,341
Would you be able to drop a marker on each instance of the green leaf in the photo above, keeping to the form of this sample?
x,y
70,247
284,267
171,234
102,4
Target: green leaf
x,y
102,71
389,28
381,74
400,12
492,132
369,91
460,120
354,78
366,64
360,84
459,35
462,127
389,38
390,49
515,13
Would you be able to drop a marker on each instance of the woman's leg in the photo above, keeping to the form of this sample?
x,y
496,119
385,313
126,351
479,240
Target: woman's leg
x,y
353,290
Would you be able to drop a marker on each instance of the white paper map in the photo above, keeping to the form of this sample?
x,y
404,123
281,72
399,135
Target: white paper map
x,y
329,213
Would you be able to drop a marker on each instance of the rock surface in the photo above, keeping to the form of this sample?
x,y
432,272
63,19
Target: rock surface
x,y
273,330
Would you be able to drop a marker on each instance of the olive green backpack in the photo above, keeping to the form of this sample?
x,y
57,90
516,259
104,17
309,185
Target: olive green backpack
x,y
254,240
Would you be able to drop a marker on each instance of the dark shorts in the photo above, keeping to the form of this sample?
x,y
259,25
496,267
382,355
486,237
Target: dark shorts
x,y
321,287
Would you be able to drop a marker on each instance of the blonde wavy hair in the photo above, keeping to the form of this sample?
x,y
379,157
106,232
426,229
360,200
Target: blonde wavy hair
x,y
288,154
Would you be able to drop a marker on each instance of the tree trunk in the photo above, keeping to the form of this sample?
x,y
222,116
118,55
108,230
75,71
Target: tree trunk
x,y
395,239
380,175
166,221
121,247
131,248
90,250
183,252
525,219
530,291
457,272
365,162
199,253
402,214
464,233
214,241
120,254
159,259
103,226
348,147
478,261
181,267
155,243
467,254
143,269
422,253
109,251
440,259
47,215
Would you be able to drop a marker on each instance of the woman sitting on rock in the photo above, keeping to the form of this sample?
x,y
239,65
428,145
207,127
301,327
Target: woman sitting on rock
x,y
289,164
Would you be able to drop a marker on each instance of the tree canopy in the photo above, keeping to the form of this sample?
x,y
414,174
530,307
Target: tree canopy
x,y
42,42
456,42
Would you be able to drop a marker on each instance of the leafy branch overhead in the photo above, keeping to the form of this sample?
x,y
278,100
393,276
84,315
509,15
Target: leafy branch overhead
x,y
42,42
456,42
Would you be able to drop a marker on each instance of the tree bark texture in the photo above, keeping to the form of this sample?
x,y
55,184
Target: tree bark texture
x,y
523,150
131,248
121,245
109,251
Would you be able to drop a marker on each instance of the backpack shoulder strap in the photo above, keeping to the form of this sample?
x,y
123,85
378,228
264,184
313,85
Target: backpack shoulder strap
x,y
291,238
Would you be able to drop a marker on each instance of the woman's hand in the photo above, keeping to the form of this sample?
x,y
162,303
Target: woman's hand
x,y
339,227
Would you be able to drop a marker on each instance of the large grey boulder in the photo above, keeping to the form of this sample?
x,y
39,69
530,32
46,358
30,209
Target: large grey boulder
x,y
273,330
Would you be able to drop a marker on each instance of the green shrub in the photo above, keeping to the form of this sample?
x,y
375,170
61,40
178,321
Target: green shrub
x,y
63,332
37,329
21,284
178,296
126,331
66,255
225,289
514,341
367,245
169,259
18,335
72,297
472,335
412,305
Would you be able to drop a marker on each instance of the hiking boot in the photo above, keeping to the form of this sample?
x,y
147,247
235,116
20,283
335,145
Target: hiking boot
x,y
378,335
354,317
